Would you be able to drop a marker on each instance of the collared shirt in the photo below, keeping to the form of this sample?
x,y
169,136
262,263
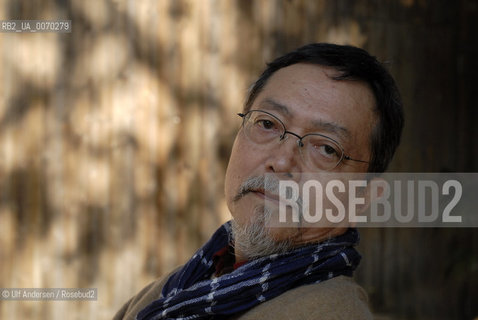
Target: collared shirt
x,y
225,261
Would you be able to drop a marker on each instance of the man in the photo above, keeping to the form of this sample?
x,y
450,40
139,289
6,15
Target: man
x,y
321,108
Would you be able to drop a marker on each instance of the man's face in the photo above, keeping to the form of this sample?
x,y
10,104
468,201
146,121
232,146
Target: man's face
x,y
307,100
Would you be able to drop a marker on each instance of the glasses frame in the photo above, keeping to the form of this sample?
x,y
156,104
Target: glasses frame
x,y
299,141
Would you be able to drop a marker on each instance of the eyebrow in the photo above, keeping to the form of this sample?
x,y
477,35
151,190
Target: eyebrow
x,y
330,127
282,108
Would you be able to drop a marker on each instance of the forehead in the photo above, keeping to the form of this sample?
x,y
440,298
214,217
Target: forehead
x,y
307,95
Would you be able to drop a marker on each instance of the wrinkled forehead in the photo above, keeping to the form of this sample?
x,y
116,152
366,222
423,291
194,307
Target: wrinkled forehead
x,y
314,91
332,74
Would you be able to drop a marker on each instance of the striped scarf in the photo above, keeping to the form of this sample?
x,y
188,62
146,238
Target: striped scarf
x,y
192,293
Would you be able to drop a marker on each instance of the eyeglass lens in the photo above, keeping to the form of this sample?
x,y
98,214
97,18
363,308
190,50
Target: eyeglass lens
x,y
318,151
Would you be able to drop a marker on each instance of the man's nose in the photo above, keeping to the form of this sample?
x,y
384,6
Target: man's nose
x,y
284,156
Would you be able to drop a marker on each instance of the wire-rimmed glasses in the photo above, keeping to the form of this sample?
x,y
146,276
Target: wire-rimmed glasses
x,y
318,151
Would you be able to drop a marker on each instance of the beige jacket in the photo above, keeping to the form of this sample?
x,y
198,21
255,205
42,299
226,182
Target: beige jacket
x,y
338,298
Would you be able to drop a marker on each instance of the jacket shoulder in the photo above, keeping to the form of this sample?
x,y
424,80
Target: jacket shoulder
x,y
338,298
143,298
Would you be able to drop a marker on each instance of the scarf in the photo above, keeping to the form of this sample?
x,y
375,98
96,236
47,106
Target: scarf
x,y
190,293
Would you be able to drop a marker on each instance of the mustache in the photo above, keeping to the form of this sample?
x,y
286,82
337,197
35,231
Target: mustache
x,y
269,184
258,183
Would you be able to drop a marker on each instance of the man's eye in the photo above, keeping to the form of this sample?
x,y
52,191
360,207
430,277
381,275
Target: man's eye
x,y
266,124
329,150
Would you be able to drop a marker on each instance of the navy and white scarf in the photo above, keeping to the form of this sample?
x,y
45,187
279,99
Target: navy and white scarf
x,y
190,293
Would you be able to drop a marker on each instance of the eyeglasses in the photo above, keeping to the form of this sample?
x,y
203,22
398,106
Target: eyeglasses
x,y
318,152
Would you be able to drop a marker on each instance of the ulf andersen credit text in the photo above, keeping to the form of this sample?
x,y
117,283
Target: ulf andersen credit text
x,y
49,294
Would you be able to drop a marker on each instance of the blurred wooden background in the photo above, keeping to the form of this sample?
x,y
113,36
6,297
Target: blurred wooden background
x,y
114,139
